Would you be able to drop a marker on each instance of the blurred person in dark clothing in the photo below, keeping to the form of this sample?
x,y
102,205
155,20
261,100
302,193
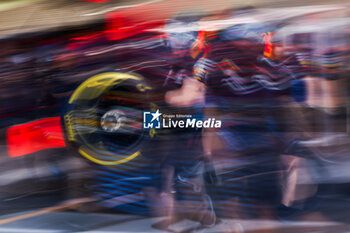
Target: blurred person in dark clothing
x,y
249,92
182,190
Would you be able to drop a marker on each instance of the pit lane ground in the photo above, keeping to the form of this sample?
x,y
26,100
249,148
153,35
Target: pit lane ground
x,y
103,223
64,217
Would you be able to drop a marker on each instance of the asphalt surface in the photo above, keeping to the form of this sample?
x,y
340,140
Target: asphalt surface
x,y
70,221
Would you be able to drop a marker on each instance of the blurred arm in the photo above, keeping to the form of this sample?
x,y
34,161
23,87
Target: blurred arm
x,y
192,92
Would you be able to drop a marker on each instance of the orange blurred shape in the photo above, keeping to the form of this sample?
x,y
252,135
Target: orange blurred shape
x,y
35,136
268,48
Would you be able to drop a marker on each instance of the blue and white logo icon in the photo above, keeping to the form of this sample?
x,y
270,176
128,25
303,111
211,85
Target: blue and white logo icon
x,y
151,120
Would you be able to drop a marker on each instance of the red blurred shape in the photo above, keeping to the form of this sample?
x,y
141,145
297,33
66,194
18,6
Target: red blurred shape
x,y
35,136
87,37
81,41
119,26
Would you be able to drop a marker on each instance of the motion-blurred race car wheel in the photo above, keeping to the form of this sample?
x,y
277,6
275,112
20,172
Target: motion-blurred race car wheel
x,y
104,121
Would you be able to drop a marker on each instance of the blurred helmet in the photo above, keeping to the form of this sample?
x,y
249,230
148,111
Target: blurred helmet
x,y
181,33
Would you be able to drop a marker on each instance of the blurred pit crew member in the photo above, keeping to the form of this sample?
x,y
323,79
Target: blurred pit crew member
x,y
248,92
182,191
326,55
